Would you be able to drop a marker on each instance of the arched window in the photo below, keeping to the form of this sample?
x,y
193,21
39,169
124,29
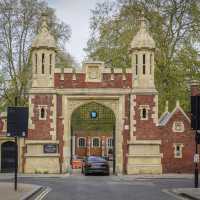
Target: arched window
x,y
42,113
178,150
96,142
144,113
136,64
150,63
81,142
144,109
43,61
36,63
50,63
144,65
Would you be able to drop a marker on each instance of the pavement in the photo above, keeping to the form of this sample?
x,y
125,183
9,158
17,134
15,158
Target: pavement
x,y
25,191
189,193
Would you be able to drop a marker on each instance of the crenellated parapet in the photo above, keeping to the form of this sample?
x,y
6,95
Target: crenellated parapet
x,y
93,75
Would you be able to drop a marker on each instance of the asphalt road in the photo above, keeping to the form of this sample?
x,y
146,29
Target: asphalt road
x,y
108,188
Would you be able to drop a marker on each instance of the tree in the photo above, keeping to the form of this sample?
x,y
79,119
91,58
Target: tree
x,y
174,25
19,23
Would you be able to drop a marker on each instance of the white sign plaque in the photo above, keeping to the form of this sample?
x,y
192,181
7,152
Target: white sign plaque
x,y
196,158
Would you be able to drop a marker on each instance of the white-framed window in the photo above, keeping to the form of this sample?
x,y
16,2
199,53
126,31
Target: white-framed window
x,y
178,126
95,142
42,112
110,142
81,142
178,150
144,112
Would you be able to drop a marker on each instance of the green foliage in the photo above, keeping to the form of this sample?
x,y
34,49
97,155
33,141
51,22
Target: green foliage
x,y
19,23
174,26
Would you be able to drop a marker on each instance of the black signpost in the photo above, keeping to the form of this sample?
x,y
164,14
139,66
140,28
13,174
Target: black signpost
x,y
195,124
17,126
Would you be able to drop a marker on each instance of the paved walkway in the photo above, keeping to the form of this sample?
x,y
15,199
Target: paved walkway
x,y
7,191
189,193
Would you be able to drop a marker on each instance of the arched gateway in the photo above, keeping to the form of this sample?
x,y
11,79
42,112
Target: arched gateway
x,y
93,132
114,116
57,95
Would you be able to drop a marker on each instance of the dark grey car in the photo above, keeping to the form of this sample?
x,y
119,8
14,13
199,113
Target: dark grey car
x,y
94,165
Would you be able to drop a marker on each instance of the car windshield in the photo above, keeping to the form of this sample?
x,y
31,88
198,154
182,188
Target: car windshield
x,y
95,159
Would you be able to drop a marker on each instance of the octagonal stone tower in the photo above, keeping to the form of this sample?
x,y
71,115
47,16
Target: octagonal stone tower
x,y
144,147
142,52
43,57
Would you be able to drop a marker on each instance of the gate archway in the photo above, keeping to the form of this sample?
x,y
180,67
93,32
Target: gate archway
x,y
93,132
8,151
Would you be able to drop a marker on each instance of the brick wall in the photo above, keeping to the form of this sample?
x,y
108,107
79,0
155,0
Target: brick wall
x,y
80,82
170,163
42,127
89,149
145,129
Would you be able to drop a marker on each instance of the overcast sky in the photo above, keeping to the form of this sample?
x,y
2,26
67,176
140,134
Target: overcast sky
x,y
75,13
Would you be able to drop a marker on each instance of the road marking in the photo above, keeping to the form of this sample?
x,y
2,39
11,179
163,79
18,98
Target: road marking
x,y
43,194
173,194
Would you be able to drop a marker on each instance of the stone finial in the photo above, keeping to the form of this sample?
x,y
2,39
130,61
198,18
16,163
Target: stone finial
x,y
142,39
194,83
194,87
44,38
166,106
177,103
142,21
44,24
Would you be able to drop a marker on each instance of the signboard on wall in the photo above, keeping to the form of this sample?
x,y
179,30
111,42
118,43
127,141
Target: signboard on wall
x,y
50,148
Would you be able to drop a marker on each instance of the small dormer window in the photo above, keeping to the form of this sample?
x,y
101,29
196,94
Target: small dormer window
x,y
43,61
50,63
136,64
144,112
144,65
36,63
178,126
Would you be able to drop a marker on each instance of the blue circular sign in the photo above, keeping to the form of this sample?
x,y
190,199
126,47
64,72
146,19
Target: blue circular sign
x,y
93,114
